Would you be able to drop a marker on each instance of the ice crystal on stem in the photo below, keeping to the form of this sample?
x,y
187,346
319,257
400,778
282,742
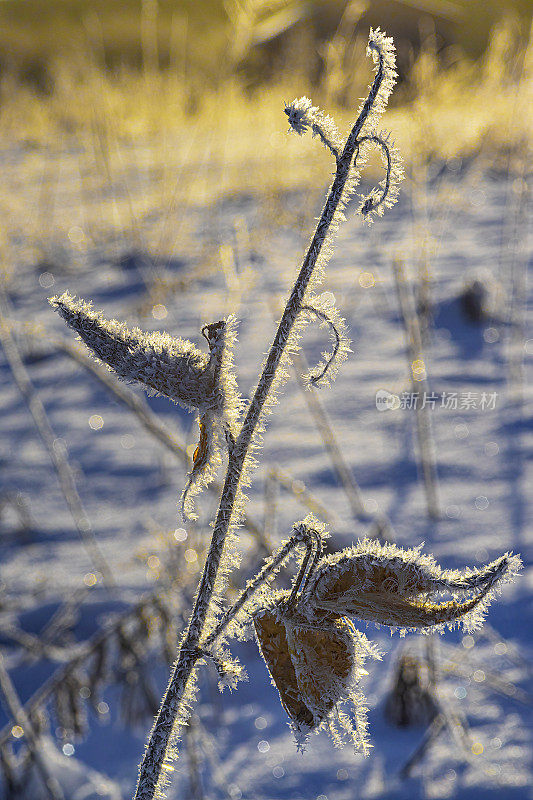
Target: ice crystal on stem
x,y
322,308
303,115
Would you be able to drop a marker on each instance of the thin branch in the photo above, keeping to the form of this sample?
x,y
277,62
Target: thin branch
x,y
432,732
17,712
302,535
324,317
56,453
419,383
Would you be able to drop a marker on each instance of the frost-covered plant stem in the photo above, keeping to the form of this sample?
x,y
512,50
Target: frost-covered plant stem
x,y
153,762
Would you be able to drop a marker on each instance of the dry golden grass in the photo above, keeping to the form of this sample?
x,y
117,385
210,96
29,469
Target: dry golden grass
x,y
466,110
139,141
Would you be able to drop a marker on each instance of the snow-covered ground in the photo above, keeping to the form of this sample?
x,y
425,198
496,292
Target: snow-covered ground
x,y
129,486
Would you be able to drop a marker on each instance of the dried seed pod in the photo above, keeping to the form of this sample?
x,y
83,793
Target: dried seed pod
x,y
172,367
325,664
391,586
314,667
272,638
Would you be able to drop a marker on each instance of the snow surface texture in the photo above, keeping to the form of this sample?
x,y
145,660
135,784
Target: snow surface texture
x,y
130,487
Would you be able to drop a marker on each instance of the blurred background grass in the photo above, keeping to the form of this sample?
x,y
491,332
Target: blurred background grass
x,y
116,112
135,68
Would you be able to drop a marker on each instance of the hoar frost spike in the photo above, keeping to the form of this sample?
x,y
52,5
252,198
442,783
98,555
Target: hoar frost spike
x,y
173,367
314,653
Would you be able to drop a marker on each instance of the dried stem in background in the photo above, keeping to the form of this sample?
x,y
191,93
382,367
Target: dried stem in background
x,y
16,710
419,385
56,452
325,429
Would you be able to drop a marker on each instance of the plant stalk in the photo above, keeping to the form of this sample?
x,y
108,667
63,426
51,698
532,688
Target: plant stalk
x,y
154,756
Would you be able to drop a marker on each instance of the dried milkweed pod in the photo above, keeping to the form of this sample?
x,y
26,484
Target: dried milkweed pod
x,y
315,667
272,639
314,653
173,367
401,588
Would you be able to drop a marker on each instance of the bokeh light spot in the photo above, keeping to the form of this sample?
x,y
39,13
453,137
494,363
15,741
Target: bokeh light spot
x,y
159,311
491,335
96,422
46,280
76,234
461,431
366,280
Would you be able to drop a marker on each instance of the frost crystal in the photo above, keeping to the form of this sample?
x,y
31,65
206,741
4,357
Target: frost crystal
x,y
303,115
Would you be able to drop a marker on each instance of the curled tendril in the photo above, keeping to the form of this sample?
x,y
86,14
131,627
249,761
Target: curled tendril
x,y
304,116
315,378
377,201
